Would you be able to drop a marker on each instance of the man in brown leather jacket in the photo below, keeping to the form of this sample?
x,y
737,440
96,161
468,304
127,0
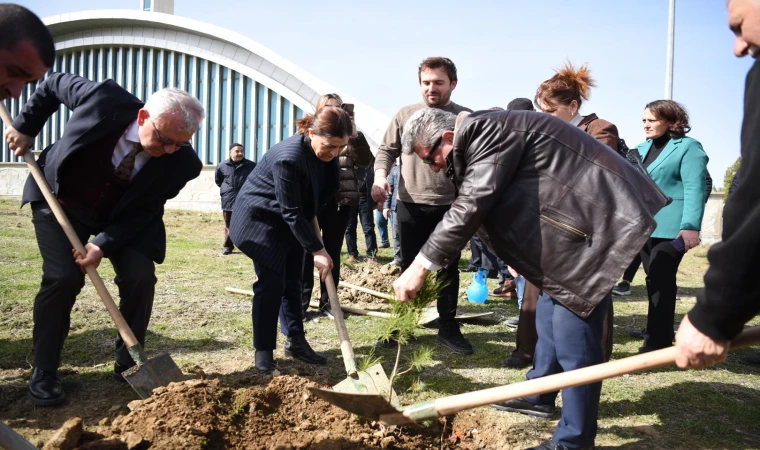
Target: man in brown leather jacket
x,y
584,212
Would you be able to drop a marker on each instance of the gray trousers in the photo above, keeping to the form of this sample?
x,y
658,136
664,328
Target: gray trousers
x,y
62,281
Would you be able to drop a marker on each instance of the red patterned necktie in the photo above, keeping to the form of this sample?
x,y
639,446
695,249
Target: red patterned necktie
x,y
127,165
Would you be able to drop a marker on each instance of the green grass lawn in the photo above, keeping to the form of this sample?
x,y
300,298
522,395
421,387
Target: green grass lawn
x,y
208,330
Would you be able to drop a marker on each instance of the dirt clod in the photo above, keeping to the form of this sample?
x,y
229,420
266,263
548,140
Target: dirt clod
x,y
67,437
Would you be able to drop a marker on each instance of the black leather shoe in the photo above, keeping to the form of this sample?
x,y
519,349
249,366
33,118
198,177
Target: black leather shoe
x,y
513,362
296,347
45,388
637,334
450,337
649,348
118,369
525,407
386,343
265,361
551,445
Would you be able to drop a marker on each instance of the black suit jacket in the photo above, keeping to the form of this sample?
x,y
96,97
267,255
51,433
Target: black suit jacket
x,y
278,201
100,112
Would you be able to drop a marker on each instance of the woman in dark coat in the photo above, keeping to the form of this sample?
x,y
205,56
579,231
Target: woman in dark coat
x,y
272,224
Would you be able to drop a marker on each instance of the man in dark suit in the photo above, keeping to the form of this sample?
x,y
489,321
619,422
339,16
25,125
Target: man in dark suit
x,y
118,162
27,49
272,224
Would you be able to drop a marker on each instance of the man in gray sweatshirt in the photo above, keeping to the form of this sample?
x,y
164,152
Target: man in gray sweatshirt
x,y
423,195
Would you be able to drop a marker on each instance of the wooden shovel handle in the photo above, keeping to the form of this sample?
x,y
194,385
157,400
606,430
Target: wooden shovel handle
x,y
349,360
578,377
52,201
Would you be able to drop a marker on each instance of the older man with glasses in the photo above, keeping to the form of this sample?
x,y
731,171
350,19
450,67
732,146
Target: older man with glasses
x,y
563,183
117,163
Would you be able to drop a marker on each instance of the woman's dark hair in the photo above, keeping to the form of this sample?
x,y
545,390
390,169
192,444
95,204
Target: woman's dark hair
x,y
566,85
328,122
673,113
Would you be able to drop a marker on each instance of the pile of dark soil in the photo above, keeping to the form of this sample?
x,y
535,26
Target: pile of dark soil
x,y
277,414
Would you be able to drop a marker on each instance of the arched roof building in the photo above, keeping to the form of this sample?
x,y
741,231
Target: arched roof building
x,y
251,94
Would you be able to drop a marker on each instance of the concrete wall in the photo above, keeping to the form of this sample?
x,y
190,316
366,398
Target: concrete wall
x,y
202,194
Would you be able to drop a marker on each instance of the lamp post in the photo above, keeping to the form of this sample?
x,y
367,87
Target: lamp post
x,y
670,56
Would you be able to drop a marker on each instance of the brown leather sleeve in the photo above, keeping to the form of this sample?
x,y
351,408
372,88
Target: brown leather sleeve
x,y
605,132
489,165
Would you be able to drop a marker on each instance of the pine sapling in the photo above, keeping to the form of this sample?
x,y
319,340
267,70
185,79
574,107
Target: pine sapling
x,y
403,325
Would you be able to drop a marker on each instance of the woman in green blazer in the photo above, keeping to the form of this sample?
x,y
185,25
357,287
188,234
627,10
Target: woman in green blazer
x,y
678,164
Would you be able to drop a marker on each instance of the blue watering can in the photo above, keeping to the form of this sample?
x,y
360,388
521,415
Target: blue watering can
x,y
478,291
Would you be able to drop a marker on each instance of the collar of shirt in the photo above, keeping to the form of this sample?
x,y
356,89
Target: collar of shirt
x,y
576,120
132,134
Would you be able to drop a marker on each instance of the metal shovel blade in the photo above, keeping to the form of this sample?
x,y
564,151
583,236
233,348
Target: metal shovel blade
x,y
370,381
364,405
11,440
156,372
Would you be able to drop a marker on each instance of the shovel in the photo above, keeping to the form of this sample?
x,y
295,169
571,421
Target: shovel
x,y
11,440
430,314
372,381
147,374
377,408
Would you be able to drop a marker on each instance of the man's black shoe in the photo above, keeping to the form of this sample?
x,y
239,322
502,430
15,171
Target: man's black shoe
x,y
265,361
551,445
647,348
525,407
637,334
45,388
753,360
118,369
386,343
450,337
513,362
513,323
226,251
623,288
326,311
296,347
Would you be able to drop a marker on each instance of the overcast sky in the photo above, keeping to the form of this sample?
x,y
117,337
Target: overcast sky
x,y
503,49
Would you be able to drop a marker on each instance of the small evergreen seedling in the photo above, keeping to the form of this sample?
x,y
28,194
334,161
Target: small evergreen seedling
x,y
403,325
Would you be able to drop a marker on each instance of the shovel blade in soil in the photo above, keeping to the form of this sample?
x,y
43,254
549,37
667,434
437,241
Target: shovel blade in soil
x,y
156,372
364,405
370,381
